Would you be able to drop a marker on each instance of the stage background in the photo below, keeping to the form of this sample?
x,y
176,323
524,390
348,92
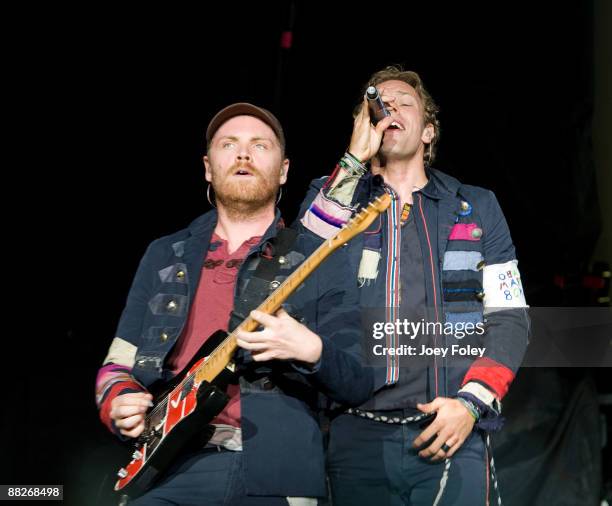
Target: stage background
x,y
112,104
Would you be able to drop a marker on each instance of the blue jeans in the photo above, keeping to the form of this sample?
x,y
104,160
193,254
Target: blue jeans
x,y
373,463
208,477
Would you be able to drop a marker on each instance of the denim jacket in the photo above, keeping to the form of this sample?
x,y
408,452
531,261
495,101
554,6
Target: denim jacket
x,y
282,441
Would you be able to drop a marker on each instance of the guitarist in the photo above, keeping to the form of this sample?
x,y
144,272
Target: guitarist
x,y
266,446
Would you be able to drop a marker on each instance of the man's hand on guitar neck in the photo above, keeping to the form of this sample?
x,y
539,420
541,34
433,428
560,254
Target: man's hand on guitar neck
x,y
128,412
282,338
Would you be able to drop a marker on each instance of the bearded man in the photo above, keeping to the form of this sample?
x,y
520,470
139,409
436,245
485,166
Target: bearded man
x,y
266,446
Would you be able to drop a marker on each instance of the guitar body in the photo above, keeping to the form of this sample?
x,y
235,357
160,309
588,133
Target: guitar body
x,y
181,414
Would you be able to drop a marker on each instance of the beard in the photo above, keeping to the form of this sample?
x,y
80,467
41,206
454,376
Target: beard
x,y
242,197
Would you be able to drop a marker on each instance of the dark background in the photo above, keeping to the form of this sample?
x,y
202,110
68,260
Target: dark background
x,y
114,105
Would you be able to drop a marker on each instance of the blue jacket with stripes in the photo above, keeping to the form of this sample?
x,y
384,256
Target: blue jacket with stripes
x,y
471,276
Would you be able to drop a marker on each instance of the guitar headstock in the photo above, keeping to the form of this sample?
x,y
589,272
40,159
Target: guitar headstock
x,y
362,220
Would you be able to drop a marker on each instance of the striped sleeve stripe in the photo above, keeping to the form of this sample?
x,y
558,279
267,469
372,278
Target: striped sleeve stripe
x,y
103,389
319,213
497,377
117,389
324,217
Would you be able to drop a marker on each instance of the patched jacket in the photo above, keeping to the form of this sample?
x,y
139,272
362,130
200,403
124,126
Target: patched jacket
x,y
282,442
470,268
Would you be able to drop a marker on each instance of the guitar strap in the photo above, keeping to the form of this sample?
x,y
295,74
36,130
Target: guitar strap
x,y
263,281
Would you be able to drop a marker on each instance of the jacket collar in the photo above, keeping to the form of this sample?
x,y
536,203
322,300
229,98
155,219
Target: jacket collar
x,y
440,185
204,225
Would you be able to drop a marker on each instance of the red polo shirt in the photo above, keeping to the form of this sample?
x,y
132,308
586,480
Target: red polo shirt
x,y
210,311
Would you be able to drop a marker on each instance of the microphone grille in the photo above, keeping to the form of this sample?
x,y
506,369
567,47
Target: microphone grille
x,y
371,92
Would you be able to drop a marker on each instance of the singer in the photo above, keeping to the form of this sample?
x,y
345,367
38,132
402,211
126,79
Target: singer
x,y
437,254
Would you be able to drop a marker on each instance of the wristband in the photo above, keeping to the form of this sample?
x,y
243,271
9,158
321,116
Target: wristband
x,y
470,407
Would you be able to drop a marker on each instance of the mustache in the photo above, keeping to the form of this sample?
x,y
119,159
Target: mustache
x,y
243,166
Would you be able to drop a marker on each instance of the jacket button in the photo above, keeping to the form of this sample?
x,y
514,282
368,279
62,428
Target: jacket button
x,y
180,274
480,265
477,233
464,205
480,296
282,260
274,285
171,306
164,337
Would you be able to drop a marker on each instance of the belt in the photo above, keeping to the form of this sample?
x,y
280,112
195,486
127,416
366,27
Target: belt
x,y
388,417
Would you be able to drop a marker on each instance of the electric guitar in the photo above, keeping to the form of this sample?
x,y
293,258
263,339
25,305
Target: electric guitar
x,y
193,398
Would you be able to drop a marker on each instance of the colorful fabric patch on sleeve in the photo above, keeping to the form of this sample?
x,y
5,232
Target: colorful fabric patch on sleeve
x,y
478,391
325,217
115,378
121,352
495,376
341,187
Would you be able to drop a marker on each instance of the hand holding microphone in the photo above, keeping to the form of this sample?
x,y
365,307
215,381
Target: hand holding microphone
x,y
369,126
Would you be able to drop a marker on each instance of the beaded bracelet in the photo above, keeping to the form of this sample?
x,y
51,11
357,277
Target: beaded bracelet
x,y
470,407
352,164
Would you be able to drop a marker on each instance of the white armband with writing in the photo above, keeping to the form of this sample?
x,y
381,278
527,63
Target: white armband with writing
x,y
502,287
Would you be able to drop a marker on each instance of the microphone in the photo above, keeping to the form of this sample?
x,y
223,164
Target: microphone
x,y
377,109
